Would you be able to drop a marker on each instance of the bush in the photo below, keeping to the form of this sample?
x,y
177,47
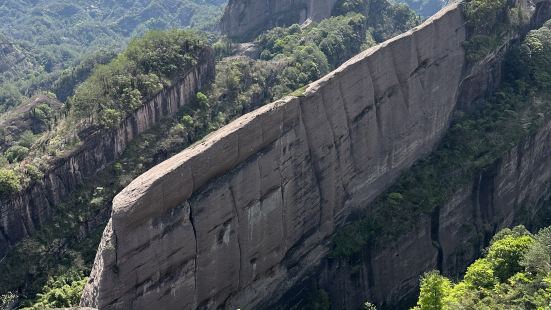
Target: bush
x,y
60,292
16,153
33,172
9,182
27,139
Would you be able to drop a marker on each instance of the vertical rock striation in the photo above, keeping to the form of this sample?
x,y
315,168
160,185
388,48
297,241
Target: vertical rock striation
x,y
244,19
238,219
510,192
22,214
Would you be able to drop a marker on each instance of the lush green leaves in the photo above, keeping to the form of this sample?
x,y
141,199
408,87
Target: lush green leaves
x,y
9,182
62,291
435,290
513,275
144,68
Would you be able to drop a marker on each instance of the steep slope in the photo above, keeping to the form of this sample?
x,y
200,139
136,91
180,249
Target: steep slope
x,y
243,216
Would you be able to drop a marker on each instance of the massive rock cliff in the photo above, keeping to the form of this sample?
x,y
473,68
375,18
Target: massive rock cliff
x,y
246,214
22,214
244,19
508,193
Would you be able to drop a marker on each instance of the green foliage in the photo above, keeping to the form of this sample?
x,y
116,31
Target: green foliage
x,y
489,22
482,15
513,275
148,64
52,44
9,183
435,291
9,96
202,99
384,19
16,153
34,173
481,275
505,255
42,112
62,291
536,48
27,139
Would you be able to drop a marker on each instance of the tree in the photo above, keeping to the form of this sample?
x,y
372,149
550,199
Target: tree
x,y
480,275
435,292
506,254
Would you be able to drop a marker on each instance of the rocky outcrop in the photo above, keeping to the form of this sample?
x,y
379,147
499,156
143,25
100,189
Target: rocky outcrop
x,y
22,214
241,217
509,192
244,19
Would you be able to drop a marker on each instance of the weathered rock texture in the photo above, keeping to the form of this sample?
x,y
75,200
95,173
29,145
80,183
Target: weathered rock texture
x,y
508,193
244,19
246,214
22,214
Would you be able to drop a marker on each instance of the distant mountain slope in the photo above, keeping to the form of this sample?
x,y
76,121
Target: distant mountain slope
x,y
56,34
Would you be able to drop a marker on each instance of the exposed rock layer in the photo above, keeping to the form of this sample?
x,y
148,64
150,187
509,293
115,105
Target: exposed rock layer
x,y
508,193
24,213
238,219
244,19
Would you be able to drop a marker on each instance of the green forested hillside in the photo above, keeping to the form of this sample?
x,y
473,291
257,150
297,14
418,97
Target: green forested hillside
x,y
40,38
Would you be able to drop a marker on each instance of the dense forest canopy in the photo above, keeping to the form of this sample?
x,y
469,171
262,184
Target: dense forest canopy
x,y
38,39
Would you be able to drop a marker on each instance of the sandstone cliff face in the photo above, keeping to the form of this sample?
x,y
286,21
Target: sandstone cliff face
x,y
244,19
246,214
449,239
24,213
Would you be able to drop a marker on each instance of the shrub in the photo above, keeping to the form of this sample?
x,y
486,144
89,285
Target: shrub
x,y
27,139
60,292
33,172
16,153
9,182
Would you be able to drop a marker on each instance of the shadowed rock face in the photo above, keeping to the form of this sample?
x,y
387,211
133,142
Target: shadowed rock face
x,y
244,19
509,193
243,216
24,213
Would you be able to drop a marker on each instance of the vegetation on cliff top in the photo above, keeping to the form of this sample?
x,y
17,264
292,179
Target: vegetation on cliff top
x,y
489,22
149,64
515,273
474,142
